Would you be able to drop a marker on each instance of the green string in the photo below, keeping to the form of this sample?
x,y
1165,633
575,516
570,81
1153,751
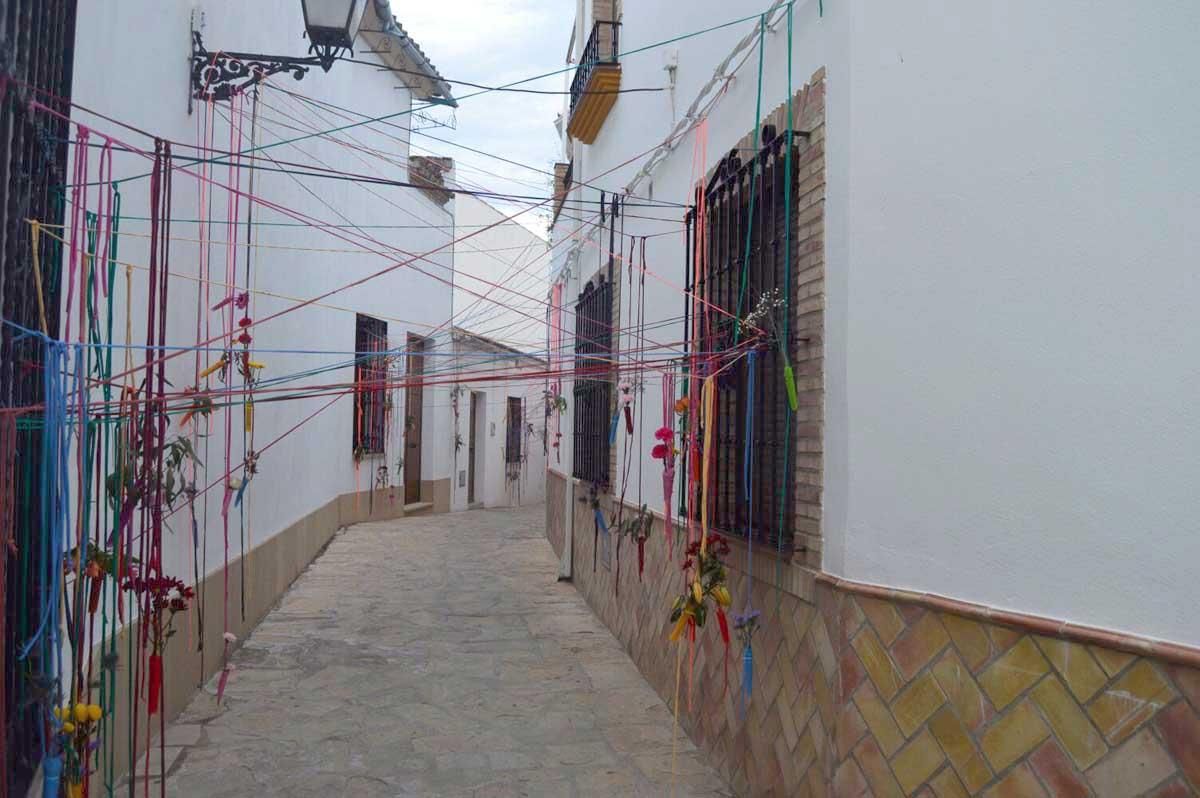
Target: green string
x,y
787,314
108,645
762,29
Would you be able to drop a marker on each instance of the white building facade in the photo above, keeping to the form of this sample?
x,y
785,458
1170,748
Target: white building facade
x,y
500,275
992,293
343,287
498,429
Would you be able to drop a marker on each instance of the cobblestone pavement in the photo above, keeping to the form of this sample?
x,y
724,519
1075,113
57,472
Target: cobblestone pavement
x,y
433,656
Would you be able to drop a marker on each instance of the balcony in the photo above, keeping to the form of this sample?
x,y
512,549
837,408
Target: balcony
x,y
597,79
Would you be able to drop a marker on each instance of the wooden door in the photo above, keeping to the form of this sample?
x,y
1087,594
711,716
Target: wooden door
x,y
413,401
471,438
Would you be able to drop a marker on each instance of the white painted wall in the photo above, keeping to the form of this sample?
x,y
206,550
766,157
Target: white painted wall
x,y
505,254
1010,343
132,63
477,367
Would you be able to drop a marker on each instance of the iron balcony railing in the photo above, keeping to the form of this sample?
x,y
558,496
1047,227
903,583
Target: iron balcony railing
x,y
602,48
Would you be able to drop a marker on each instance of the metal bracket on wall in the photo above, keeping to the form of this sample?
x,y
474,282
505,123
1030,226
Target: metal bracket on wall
x,y
222,74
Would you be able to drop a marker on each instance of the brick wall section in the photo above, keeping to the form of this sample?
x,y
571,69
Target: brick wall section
x,y
860,696
429,175
604,10
808,305
560,187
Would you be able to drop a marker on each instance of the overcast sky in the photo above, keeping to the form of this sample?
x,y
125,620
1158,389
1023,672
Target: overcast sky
x,y
494,42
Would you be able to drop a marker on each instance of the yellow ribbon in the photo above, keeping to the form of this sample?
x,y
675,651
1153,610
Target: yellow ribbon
x,y
213,368
709,399
35,230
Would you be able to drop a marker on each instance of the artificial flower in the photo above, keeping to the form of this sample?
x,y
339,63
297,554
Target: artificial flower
x,y
681,404
660,451
94,712
664,434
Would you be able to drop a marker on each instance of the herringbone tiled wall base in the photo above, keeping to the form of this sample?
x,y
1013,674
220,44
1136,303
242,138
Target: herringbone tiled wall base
x,y
556,489
856,696
941,705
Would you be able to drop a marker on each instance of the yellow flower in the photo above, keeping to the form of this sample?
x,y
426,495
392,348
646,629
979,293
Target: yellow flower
x,y
720,594
95,712
68,727
81,713
680,625
57,712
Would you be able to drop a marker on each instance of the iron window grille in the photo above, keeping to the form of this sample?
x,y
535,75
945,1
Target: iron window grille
x,y
370,384
38,60
512,440
735,279
593,389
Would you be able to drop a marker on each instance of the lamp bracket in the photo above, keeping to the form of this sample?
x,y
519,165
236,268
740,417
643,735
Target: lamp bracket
x,y
222,74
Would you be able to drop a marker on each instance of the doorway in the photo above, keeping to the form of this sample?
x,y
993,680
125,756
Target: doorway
x,y
414,396
472,444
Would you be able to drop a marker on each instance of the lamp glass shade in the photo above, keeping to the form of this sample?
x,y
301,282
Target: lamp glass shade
x,y
333,22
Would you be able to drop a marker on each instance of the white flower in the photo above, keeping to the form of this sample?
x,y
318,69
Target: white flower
x,y
230,637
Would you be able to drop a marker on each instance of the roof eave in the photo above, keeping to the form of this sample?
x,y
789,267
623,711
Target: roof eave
x,y
392,44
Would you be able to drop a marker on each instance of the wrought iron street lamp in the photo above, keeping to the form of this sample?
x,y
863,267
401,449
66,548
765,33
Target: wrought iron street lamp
x,y
331,26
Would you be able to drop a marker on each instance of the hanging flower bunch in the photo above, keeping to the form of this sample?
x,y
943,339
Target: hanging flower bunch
x,y
98,564
555,403
167,596
162,598
745,624
626,402
637,528
665,448
78,724
768,316
709,583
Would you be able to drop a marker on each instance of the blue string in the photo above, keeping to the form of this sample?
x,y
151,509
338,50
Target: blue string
x,y
55,453
748,481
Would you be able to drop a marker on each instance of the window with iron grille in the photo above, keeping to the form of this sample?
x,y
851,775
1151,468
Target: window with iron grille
x,y
593,388
512,440
738,280
370,384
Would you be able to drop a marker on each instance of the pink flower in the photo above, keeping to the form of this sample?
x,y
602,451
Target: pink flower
x,y
664,434
659,452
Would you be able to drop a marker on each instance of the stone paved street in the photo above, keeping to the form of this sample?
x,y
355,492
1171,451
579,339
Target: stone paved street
x,y
433,656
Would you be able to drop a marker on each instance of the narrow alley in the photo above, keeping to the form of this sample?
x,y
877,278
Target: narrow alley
x,y
432,656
